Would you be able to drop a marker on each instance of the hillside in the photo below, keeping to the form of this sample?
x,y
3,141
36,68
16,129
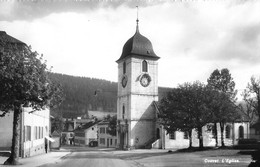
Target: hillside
x,y
80,95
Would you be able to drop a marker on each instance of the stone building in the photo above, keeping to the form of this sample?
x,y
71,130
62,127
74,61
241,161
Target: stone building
x,y
137,90
137,110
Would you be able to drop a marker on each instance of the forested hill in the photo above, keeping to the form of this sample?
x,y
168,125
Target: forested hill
x,y
80,95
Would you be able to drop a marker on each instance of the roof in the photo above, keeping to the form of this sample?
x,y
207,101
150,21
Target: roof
x,y
100,114
138,46
103,122
7,39
86,126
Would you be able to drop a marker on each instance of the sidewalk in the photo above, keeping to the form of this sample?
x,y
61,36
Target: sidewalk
x,y
38,160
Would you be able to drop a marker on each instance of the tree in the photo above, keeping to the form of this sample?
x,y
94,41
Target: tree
x,y
223,104
251,96
112,121
185,108
24,83
173,115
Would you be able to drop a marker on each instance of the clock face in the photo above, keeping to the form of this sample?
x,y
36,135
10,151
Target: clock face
x,y
124,81
145,80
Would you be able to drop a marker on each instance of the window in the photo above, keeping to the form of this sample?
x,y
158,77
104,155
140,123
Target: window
x,y
241,132
228,131
185,135
214,131
123,113
144,66
124,68
102,141
172,136
35,132
27,133
92,128
111,141
39,132
102,130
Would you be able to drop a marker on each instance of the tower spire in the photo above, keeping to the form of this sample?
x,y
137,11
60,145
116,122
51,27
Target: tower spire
x,y
137,20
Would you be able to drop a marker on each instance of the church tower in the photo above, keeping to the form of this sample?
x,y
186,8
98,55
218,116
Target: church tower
x,y
137,92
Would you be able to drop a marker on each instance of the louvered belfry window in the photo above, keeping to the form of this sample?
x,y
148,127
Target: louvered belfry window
x,y
144,66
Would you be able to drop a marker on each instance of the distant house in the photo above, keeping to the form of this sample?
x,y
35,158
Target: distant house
x,y
100,114
86,133
104,138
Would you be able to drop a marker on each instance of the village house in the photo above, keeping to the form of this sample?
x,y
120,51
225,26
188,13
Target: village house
x,y
34,131
86,133
104,138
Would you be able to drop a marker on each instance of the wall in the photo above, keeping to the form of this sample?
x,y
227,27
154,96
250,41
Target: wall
x,y
107,137
91,134
31,144
208,138
39,121
6,129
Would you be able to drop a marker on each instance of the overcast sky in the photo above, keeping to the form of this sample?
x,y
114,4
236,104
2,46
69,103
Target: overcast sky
x,y
192,37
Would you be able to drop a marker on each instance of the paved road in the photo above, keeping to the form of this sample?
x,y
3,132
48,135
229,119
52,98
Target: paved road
x,y
91,159
151,158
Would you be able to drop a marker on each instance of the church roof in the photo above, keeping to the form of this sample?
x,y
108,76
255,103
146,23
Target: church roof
x,y
138,46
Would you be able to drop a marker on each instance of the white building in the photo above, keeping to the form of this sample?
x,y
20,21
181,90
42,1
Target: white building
x,y
137,111
34,131
86,133
104,138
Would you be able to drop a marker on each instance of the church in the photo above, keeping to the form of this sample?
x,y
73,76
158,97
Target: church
x,y
137,110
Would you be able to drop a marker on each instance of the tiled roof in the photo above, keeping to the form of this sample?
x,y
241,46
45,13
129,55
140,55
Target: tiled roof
x,y
86,126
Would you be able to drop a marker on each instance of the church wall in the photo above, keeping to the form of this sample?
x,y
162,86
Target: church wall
x,y
208,138
141,132
142,107
136,67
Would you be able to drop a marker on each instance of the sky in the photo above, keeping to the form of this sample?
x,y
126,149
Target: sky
x,y
192,37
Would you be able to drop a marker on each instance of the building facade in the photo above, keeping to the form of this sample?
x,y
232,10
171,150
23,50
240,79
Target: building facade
x,y
104,138
137,110
137,90
86,133
34,126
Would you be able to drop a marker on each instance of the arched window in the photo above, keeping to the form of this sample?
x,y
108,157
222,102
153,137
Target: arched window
x,y
158,133
123,112
144,66
241,132
124,68
228,130
185,135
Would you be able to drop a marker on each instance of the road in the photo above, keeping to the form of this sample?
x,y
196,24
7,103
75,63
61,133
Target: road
x,y
91,159
151,158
